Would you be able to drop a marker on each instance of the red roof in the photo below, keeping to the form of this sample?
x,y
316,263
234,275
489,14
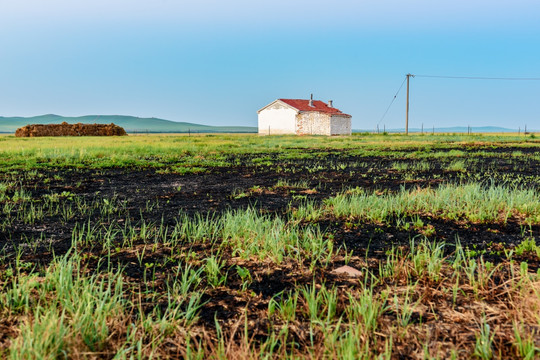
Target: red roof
x,y
303,105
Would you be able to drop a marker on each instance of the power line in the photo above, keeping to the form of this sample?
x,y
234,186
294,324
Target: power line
x,y
479,78
391,102
446,77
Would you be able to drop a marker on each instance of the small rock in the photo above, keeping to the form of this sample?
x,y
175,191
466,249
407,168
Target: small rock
x,y
350,271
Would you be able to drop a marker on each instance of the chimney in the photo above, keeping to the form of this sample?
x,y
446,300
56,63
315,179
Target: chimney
x,y
311,101
330,103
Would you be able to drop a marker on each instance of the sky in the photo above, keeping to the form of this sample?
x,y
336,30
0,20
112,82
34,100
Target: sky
x,y
218,62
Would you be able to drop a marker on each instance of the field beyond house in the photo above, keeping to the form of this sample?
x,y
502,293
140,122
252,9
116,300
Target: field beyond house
x,y
226,246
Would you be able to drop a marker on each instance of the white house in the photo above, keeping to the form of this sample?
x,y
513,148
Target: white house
x,y
303,117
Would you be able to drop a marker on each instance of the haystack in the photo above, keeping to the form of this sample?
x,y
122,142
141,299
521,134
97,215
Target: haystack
x,y
65,129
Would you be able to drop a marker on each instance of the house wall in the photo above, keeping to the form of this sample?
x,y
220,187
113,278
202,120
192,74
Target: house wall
x,y
277,119
312,123
340,125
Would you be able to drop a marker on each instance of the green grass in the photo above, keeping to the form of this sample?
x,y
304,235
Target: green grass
x,y
471,202
180,152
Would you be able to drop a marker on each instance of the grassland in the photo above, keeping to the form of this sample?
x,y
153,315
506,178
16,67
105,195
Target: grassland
x,y
225,246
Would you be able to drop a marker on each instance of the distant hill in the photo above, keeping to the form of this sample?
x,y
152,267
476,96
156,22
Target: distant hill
x,y
131,124
455,129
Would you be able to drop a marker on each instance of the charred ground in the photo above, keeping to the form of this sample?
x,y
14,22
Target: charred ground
x,y
276,185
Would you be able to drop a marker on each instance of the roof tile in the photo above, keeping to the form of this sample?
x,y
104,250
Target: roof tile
x,y
320,106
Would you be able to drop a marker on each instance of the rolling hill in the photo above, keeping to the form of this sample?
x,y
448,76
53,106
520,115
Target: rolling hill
x,y
131,124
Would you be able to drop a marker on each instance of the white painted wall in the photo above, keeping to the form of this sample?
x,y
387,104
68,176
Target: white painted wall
x,y
277,119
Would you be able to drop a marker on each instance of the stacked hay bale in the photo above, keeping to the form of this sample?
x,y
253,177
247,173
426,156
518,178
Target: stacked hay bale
x,y
65,129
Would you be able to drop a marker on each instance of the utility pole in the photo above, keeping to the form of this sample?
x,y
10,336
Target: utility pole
x,y
407,112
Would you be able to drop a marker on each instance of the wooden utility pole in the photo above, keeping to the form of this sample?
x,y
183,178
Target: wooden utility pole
x,y
407,112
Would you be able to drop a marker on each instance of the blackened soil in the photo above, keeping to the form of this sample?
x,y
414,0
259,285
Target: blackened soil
x,y
283,183
271,189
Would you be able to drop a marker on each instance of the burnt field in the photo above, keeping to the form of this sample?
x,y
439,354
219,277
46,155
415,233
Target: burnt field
x,y
230,250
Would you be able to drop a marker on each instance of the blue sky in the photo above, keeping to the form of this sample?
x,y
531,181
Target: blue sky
x,y
217,63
